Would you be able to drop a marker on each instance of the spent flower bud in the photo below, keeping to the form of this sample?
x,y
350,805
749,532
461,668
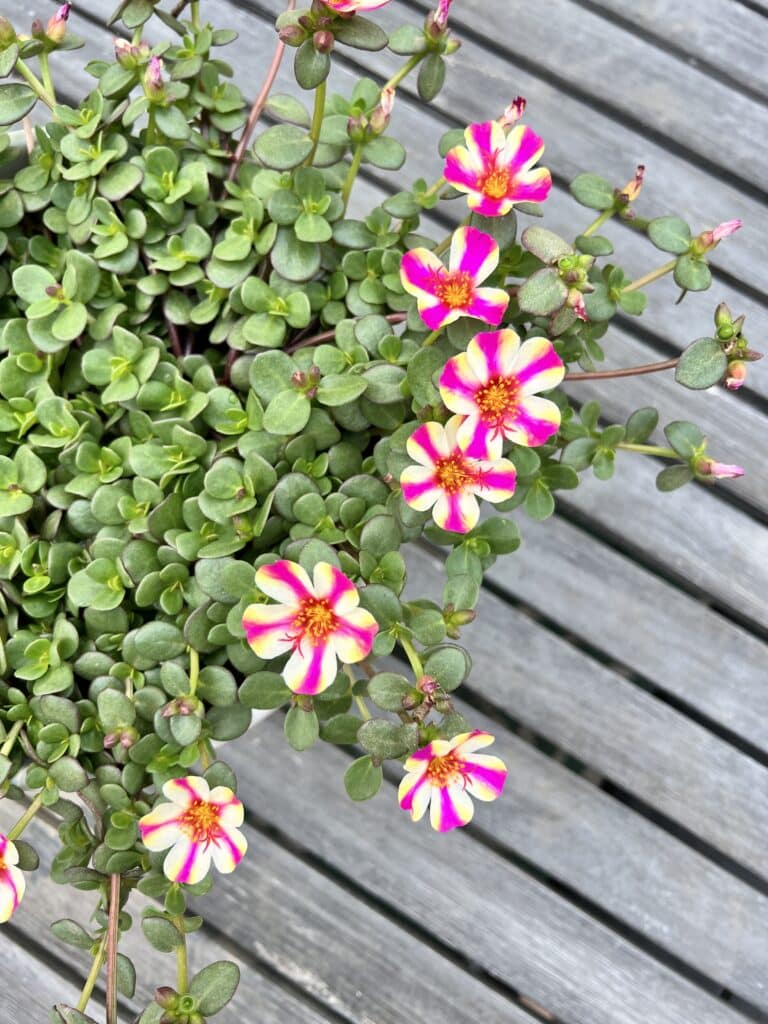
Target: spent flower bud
x,y
514,112
37,30
323,41
736,374
631,190
708,469
57,24
709,239
154,83
166,997
382,114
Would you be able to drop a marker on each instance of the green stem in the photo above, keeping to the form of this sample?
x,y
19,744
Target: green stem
x,y
34,83
113,927
317,121
413,656
405,70
649,449
654,275
362,708
434,189
90,981
431,338
45,71
182,970
195,12
26,817
354,167
194,670
206,754
136,38
599,221
10,739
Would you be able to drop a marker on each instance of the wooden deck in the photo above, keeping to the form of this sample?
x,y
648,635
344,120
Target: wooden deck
x,y
624,877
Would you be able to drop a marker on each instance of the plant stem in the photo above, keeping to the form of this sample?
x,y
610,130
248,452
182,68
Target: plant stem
x,y
258,104
654,275
599,221
90,981
182,971
365,714
45,71
431,338
26,817
628,371
354,167
393,318
111,948
205,752
434,189
317,121
194,670
195,12
405,70
10,739
413,656
649,449
34,83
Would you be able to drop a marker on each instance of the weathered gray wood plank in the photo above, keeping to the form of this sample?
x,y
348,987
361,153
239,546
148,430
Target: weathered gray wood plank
x,y
698,33
659,632
612,725
468,897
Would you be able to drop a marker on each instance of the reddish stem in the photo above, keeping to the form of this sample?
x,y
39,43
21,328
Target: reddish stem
x,y
393,318
629,371
259,104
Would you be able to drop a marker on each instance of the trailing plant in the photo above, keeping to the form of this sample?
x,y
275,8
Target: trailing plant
x,y
230,399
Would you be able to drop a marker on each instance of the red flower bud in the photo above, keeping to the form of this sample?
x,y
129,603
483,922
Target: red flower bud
x,y
323,41
514,112
292,35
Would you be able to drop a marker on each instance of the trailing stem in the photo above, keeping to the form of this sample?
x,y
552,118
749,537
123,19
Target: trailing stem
x,y
111,948
628,371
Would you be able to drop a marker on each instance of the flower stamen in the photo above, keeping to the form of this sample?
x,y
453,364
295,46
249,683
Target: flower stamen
x,y
453,473
201,822
497,399
315,620
455,288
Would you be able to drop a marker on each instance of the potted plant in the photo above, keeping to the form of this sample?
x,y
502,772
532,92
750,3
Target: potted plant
x,y
229,401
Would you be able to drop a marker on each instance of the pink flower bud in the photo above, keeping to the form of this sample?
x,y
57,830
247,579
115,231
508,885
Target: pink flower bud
x,y
111,739
707,467
709,239
514,112
299,379
736,374
125,54
36,29
292,35
323,41
441,14
154,83
631,190
166,997
576,302
380,117
57,25
428,685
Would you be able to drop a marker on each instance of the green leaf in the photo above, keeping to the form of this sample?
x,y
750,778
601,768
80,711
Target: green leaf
x,y
672,477
593,191
310,66
594,245
115,709
16,101
360,33
69,1015
539,503
302,728
670,234
362,780
31,281
450,665
641,424
69,775
264,691
283,147
287,413
686,438
341,729
431,77
693,274
542,293
701,365
214,986
386,740
387,689
72,933
545,244
160,934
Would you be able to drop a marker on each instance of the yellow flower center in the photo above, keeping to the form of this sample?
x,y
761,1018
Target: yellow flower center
x,y
455,288
200,821
497,398
453,473
496,183
315,620
442,771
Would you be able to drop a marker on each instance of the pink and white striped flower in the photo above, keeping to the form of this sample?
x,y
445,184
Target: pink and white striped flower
x,y
496,170
448,480
446,293
354,6
494,384
12,884
318,620
197,826
444,776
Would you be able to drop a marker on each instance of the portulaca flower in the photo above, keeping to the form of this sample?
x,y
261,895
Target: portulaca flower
x,y
12,884
318,620
449,481
446,293
197,826
496,170
494,383
354,6
446,774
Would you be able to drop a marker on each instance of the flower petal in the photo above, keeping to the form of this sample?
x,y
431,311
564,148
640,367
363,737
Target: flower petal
x,y
311,670
537,366
427,444
184,792
12,888
285,582
483,140
450,808
228,849
493,353
266,629
9,853
413,794
419,759
485,777
498,480
457,513
474,252
487,206
187,862
522,149
419,488
462,170
231,810
331,584
458,384
531,187
437,314
161,828
354,636
534,421
480,440
420,271
468,742
488,304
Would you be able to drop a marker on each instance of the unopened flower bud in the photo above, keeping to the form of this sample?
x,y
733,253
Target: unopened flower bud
x,y
314,374
299,379
706,468
182,707
428,685
575,301
7,32
513,113
57,25
154,83
631,190
736,374
723,315
323,41
292,35
124,53
166,997
452,45
311,393
381,115
111,739
36,29
751,355
357,127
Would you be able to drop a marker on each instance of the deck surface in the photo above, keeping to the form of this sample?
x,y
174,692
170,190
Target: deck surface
x,y
620,655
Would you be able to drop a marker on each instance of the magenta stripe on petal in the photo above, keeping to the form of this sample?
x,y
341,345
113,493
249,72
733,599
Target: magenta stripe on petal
x,y
537,430
481,440
488,345
452,380
422,437
494,778
459,171
421,269
489,304
282,572
412,492
531,187
448,816
186,868
499,480
524,147
548,360
476,250
489,207
312,682
438,314
455,521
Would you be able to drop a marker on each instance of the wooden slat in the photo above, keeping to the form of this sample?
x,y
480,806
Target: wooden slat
x,y
29,987
469,898
660,633
612,725
698,32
